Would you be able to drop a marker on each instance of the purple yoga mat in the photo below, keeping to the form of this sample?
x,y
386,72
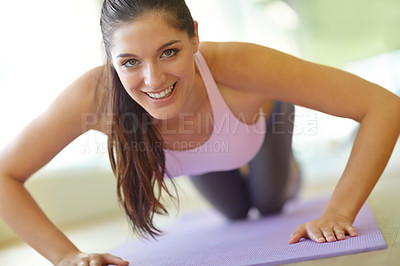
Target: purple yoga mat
x,y
205,238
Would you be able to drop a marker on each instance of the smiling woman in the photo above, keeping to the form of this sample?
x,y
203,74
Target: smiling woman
x,y
162,98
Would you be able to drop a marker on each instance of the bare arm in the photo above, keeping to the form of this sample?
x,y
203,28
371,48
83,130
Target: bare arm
x,y
35,146
270,74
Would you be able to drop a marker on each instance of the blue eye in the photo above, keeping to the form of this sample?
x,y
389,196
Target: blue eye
x,y
130,63
170,53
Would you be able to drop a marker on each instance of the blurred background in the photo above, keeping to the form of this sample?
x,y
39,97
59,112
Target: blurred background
x,y
46,44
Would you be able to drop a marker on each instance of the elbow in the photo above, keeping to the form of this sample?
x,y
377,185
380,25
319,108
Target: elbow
x,y
397,104
393,109
397,99
384,108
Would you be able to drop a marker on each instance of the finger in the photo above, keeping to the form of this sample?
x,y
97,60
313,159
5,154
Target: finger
x,y
82,259
298,234
316,235
83,262
351,230
108,258
329,235
95,260
340,235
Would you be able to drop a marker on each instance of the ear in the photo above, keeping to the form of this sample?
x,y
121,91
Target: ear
x,y
196,40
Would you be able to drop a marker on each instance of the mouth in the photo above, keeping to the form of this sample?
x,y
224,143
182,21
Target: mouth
x,y
163,94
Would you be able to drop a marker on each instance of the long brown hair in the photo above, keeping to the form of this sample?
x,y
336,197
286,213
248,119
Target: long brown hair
x,y
134,145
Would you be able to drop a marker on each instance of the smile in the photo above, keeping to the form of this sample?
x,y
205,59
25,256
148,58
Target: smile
x,y
164,94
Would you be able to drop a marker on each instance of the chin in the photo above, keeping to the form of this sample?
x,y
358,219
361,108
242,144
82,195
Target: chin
x,y
163,115
166,112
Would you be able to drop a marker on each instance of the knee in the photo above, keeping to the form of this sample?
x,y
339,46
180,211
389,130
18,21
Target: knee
x,y
236,213
239,215
269,207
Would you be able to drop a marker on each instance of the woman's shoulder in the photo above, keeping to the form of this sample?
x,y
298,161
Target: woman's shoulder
x,y
95,83
214,54
232,65
229,61
89,83
94,80
88,93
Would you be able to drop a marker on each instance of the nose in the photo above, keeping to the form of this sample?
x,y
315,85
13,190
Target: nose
x,y
154,77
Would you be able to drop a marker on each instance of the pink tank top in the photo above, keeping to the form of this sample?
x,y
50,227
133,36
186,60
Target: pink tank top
x,y
231,145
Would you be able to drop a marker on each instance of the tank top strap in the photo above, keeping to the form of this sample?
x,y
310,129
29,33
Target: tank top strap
x,y
217,102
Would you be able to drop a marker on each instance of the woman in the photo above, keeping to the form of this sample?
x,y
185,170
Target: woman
x,y
164,99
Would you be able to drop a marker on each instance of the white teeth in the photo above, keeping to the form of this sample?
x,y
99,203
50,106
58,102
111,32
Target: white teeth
x,y
163,94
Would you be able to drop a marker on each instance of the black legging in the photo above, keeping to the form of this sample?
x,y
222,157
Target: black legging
x,y
265,187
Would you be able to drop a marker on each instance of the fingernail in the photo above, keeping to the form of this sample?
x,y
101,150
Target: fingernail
x,y
321,239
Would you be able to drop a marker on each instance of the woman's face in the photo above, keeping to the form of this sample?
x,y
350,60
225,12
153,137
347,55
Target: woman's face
x,y
154,62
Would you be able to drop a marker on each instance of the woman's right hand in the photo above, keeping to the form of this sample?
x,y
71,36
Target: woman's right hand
x,y
84,259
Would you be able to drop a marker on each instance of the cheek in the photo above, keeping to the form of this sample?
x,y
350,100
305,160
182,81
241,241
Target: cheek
x,y
131,84
186,70
132,88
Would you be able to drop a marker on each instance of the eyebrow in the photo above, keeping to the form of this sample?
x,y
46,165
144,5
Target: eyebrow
x,y
159,49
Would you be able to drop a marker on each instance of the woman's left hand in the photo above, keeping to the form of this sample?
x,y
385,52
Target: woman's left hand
x,y
327,228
